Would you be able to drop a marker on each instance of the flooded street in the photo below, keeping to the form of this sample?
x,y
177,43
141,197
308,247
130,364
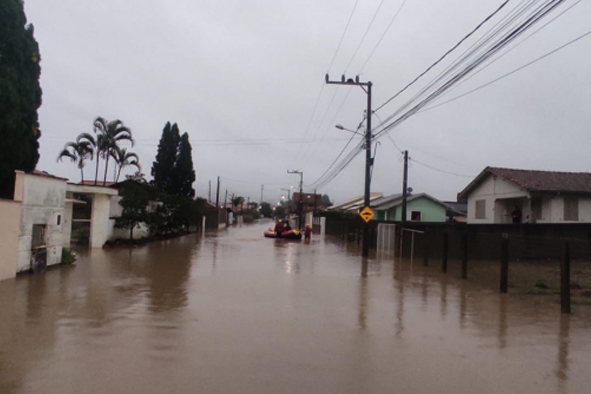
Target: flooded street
x,y
234,312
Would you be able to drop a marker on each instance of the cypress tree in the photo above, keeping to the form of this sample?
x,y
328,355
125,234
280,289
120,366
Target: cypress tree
x,y
185,173
20,95
163,168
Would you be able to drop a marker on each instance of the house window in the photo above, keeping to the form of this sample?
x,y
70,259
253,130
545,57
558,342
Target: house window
x,y
480,209
415,216
536,208
571,208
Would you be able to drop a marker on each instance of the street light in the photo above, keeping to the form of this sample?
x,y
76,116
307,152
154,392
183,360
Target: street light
x,y
341,127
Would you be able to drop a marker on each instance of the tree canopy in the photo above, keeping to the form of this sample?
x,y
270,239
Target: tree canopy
x,y
173,168
20,94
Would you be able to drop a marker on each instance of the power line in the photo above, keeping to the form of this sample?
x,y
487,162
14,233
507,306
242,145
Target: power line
x,y
382,37
444,56
342,36
364,35
440,170
509,73
447,84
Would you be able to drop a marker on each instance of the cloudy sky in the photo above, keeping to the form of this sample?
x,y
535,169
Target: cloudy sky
x,y
245,79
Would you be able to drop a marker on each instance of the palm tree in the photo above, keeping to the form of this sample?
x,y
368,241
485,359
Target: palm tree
x,y
123,158
78,151
89,139
109,135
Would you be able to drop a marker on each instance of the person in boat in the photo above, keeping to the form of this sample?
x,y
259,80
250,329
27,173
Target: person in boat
x,y
286,226
279,228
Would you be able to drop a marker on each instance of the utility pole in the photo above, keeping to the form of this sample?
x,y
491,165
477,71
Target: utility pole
x,y
209,192
368,137
288,193
225,205
217,200
300,204
404,187
248,204
314,202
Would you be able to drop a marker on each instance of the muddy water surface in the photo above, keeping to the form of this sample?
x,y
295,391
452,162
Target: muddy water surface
x,y
233,312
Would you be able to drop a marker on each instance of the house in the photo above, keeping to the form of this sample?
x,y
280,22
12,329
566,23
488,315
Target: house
x,y
44,215
545,196
42,222
420,207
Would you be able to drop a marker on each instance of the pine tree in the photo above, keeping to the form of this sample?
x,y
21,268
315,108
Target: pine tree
x,y
163,169
185,174
20,95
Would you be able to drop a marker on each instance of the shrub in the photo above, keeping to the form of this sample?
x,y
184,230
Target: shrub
x,y
248,219
256,215
68,257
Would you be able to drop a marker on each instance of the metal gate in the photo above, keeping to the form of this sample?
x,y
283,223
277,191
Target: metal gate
x,y
386,239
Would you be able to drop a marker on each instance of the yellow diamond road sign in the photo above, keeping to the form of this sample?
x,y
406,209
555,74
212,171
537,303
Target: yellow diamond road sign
x,y
366,214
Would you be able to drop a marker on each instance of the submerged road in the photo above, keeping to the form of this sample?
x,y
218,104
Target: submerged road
x,y
233,312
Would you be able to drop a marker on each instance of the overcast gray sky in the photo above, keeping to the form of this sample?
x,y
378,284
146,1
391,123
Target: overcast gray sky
x,y
243,79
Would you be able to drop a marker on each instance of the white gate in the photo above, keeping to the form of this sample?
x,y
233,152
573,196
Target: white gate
x,y
386,239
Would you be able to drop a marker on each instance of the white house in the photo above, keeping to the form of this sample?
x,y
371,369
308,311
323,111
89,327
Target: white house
x,y
38,222
545,196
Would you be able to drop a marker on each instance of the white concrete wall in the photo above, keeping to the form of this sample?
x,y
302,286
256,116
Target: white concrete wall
x,y
67,224
491,189
140,231
10,212
100,226
43,202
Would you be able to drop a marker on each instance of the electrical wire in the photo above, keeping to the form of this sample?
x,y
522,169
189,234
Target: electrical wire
x,y
364,35
509,73
440,170
512,48
444,56
343,35
495,47
382,37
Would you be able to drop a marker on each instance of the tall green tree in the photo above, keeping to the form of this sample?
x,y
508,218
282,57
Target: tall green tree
x,y
78,151
266,209
109,136
184,172
163,168
325,200
135,206
20,94
123,159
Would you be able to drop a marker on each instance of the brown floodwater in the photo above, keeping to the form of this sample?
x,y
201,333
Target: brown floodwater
x,y
233,312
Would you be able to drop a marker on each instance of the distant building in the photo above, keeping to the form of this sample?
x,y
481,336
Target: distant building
x,y
540,196
310,202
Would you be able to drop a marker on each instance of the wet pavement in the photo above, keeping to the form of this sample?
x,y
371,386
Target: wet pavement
x,y
233,312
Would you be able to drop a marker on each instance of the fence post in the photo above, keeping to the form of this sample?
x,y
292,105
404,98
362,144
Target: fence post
x,y
426,250
504,262
565,280
465,255
445,250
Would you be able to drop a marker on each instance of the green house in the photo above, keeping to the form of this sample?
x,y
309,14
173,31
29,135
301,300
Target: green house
x,y
420,207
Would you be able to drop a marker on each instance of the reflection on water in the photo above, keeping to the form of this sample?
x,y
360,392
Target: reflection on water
x,y
235,312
